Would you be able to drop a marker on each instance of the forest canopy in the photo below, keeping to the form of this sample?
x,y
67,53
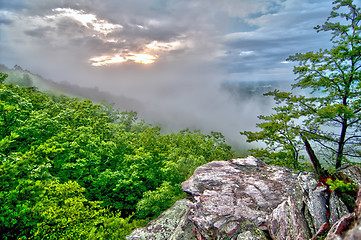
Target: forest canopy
x,y
72,169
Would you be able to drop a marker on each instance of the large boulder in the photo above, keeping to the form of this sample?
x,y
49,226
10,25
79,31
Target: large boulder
x,y
247,199
226,193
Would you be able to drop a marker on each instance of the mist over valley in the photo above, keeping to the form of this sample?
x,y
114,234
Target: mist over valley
x,y
229,108
180,64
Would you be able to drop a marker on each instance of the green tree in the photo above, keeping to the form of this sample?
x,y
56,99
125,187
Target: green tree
x,y
72,169
3,76
54,210
279,133
330,116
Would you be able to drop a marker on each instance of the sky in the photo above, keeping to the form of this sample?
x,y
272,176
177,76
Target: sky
x,y
173,56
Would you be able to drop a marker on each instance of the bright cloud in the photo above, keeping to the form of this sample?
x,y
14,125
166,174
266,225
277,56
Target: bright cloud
x,y
246,53
150,54
125,47
131,57
104,60
142,58
88,20
161,46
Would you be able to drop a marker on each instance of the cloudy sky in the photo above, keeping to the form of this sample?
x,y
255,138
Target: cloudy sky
x,y
171,55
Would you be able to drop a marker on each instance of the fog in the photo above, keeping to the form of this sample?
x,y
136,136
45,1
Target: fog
x,y
183,64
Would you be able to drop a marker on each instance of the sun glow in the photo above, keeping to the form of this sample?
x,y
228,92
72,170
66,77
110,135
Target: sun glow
x,y
130,57
105,60
150,54
142,58
103,27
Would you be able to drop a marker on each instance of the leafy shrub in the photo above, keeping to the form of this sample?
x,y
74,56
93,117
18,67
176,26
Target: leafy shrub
x,y
340,185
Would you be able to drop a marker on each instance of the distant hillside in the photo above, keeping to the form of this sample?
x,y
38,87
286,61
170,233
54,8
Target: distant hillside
x,y
22,77
246,90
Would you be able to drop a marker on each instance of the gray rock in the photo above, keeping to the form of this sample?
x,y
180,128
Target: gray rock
x,y
250,161
315,200
250,232
241,199
339,227
355,232
226,193
172,224
350,173
358,205
337,208
345,229
287,222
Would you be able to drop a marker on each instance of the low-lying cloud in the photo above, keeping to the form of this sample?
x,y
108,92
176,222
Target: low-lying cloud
x,y
172,56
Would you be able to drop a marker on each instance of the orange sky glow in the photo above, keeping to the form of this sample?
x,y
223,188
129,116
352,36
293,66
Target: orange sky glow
x,y
132,57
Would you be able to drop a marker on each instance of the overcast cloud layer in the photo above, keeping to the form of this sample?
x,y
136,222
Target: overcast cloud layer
x,y
191,48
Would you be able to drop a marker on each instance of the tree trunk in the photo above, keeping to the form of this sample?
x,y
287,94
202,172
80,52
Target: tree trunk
x,y
316,163
341,144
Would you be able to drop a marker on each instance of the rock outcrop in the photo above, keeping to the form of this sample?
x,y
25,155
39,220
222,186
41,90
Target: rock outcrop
x,y
349,226
171,224
247,199
288,221
227,193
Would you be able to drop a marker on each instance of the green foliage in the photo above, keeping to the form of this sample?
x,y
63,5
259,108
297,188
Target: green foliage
x,y
154,202
340,185
330,115
113,226
51,210
3,76
279,132
71,169
346,191
24,80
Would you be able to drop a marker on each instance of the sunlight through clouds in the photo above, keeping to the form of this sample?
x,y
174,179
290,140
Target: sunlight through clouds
x,y
91,21
142,58
88,20
131,57
149,55
104,60
91,28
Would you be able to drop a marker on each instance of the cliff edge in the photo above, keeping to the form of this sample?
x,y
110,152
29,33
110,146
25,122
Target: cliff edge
x,y
247,199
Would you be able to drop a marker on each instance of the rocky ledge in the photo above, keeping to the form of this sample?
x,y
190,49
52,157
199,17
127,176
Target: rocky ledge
x,y
247,199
